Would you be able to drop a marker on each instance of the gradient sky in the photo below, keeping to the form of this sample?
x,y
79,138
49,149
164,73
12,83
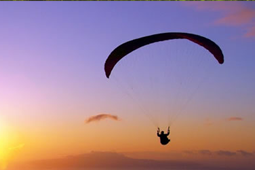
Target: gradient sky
x,y
52,77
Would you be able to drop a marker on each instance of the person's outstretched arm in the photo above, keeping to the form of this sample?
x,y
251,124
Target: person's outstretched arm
x,y
168,132
158,131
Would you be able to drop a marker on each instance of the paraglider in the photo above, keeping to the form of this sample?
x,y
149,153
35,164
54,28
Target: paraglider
x,y
121,51
126,48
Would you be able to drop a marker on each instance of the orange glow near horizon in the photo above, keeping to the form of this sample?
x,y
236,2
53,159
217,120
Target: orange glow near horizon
x,y
116,136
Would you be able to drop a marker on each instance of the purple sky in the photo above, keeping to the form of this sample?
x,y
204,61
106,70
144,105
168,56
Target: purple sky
x,y
52,59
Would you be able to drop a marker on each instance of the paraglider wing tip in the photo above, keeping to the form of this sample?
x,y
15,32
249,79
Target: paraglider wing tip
x,y
221,60
107,74
108,66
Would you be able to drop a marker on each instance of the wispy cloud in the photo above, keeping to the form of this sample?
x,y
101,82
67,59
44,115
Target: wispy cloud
x,y
245,153
205,152
236,15
100,117
243,16
234,119
225,153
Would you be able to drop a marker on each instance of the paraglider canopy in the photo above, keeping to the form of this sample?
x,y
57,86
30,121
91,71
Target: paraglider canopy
x,y
121,51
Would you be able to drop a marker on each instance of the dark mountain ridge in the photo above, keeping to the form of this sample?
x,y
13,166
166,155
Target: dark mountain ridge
x,y
104,160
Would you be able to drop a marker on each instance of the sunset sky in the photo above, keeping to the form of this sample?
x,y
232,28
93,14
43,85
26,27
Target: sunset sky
x,y
52,80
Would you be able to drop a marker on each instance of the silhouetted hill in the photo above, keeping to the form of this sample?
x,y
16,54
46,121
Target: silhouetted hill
x,y
103,160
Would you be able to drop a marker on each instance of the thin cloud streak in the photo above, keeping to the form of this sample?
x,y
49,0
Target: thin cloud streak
x,y
219,153
225,153
236,15
205,152
235,119
100,117
245,153
243,16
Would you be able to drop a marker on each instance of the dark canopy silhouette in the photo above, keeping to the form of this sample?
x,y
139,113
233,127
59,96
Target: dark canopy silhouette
x,y
121,51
